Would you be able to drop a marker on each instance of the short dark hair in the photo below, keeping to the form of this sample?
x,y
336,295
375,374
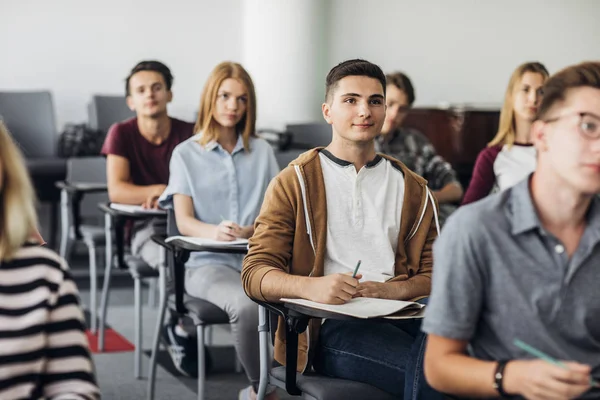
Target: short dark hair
x,y
356,67
556,87
151,65
402,82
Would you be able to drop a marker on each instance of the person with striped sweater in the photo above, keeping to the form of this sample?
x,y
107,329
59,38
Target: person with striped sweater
x,y
43,349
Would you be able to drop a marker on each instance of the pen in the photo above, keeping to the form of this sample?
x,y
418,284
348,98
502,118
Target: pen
x,y
543,356
356,269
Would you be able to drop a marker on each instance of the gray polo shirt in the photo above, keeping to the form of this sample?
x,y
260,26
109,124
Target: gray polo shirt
x,y
499,275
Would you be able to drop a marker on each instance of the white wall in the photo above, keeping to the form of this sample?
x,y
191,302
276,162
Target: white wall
x,y
454,50
77,48
463,51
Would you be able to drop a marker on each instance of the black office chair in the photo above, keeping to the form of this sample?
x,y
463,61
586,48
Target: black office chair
x,y
310,386
203,313
29,117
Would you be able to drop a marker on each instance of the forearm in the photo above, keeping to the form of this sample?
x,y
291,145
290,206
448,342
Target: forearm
x,y
191,226
417,286
451,193
128,193
461,375
277,284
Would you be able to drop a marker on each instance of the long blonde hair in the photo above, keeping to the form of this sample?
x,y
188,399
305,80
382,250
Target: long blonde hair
x,y
18,219
506,129
206,122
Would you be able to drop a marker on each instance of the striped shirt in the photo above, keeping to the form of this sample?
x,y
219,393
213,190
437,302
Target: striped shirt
x,y
43,348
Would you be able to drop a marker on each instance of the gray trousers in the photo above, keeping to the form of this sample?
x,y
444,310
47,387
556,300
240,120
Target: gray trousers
x,y
222,286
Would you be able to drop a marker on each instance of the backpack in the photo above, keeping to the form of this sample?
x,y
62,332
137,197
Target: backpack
x,y
79,140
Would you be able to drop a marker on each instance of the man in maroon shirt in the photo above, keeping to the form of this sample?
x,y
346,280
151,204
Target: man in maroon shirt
x,y
138,150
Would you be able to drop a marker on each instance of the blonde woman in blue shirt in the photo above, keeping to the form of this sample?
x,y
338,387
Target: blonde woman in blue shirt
x,y
217,181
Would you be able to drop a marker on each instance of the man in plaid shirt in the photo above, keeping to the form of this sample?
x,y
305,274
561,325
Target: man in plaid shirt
x,y
413,148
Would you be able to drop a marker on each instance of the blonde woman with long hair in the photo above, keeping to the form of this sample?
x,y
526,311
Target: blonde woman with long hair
x,y
217,182
510,156
43,349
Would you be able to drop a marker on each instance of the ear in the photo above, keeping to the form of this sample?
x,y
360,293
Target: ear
x,y
169,96
129,102
326,108
538,135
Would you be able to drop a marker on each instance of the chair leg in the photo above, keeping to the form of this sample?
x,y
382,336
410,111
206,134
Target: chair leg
x,y
208,338
106,284
201,360
65,229
162,304
53,224
152,289
93,288
263,340
137,299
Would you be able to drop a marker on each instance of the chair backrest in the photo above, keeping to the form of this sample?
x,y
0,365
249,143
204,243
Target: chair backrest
x,y
29,117
171,223
287,156
89,170
103,111
307,136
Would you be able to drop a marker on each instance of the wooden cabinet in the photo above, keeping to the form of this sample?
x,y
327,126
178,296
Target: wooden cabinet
x,y
457,133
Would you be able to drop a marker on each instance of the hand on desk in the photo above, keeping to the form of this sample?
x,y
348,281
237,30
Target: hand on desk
x,y
378,290
152,200
332,289
228,230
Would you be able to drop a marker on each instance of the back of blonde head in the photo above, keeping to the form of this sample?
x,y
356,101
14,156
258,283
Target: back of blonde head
x,y
506,129
18,218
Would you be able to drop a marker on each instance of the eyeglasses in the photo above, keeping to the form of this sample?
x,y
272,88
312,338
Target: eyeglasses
x,y
589,124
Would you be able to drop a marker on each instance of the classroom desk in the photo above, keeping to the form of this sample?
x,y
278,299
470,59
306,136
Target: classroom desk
x,y
114,222
72,193
296,318
179,252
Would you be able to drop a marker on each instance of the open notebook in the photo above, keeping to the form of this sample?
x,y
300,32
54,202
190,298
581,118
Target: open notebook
x,y
363,307
134,209
243,243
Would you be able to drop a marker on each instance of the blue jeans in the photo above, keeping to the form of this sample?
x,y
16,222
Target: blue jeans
x,y
386,354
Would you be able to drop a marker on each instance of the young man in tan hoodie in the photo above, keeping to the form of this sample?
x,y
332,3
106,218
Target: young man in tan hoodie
x,y
332,207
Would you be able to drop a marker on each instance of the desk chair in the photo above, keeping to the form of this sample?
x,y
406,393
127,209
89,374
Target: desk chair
x,y
114,225
103,111
85,176
310,386
203,313
29,117
281,141
309,135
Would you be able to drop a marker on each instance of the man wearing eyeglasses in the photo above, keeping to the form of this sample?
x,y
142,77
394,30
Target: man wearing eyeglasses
x,y
413,148
525,320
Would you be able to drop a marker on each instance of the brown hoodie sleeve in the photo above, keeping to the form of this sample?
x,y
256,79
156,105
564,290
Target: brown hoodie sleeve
x,y
270,248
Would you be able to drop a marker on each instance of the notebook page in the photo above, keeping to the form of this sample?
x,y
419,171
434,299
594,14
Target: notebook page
x,y
361,307
136,209
209,242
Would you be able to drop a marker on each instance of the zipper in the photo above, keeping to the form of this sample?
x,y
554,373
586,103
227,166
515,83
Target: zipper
x,y
312,244
428,198
303,191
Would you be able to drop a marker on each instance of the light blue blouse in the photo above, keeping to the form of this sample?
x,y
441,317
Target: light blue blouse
x,y
221,185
